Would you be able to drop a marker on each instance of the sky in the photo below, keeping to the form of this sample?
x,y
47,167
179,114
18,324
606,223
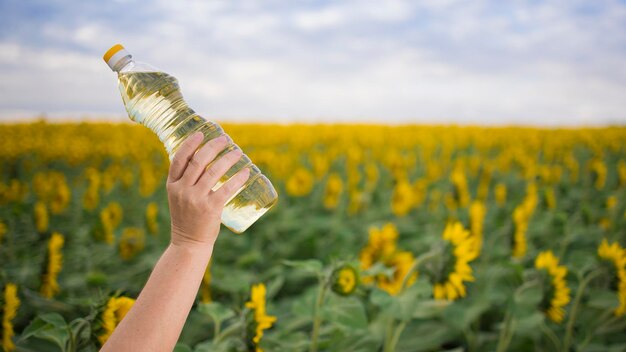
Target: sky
x,y
493,62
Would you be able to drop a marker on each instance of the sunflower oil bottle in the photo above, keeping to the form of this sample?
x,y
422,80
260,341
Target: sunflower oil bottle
x,y
153,99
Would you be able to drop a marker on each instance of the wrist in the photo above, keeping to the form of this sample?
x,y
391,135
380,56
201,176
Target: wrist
x,y
194,250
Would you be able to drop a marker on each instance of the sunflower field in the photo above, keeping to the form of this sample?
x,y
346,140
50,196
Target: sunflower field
x,y
385,238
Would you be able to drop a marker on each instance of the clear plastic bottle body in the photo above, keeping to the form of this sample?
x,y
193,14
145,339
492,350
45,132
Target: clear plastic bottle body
x,y
153,98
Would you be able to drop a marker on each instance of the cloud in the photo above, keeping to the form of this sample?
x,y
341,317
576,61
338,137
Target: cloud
x,y
554,62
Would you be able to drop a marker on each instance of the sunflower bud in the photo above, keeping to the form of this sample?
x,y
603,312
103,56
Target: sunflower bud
x,y
344,280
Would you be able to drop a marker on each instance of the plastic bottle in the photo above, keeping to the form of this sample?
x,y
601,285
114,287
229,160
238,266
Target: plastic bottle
x,y
153,98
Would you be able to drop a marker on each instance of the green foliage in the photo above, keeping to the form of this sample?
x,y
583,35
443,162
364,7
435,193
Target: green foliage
x,y
295,248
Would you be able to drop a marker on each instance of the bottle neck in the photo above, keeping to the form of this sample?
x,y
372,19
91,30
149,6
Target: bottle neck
x,y
122,63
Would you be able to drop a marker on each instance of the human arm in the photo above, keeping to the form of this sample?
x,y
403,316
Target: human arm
x,y
156,319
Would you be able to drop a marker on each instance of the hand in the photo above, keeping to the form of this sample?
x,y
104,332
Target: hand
x,y
195,209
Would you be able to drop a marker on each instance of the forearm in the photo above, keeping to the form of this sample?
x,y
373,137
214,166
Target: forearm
x,y
156,319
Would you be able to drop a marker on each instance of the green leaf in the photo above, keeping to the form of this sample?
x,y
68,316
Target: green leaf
x,y
530,325
310,265
430,308
379,269
231,279
303,305
380,298
274,285
54,319
180,347
529,296
581,261
345,312
356,342
209,346
604,299
216,311
51,327
405,304
462,313
424,336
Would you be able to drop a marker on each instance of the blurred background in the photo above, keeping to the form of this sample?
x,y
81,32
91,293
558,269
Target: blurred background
x,y
479,62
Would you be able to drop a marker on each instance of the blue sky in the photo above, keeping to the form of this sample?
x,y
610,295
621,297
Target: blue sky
x,y
435,61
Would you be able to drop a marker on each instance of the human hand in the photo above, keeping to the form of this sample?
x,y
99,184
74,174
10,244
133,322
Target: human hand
x,y
196,210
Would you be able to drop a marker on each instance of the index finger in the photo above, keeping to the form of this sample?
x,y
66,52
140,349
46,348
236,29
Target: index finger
x,y
183,155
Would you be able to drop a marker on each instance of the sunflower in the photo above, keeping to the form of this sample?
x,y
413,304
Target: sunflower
x,y
560,293
477,218
152,212
402,199
262,320
500,193
521,218
116,309
459,181
49,284
332,193
110,218
148,180
611,202
356,201
132,242
464,250
382,248
617,255
381,244
41,217
11,304
300,183
420,191
549,198
91,198
344,280
598,173
483,186
3,230
372,175
401,262
205,286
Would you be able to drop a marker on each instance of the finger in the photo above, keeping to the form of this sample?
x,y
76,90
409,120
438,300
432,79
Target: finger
x,y
213,174
202,158
182,156
232,186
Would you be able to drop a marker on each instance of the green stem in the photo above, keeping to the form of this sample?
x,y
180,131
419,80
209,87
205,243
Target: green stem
x,y
503,333
317,320
506,334
555,340
389,335
392,334
217,325
511,334
572,317
228,331
71,343
396,335
416,264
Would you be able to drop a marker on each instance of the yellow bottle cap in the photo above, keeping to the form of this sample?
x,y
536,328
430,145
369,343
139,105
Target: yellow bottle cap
x,y
113,55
